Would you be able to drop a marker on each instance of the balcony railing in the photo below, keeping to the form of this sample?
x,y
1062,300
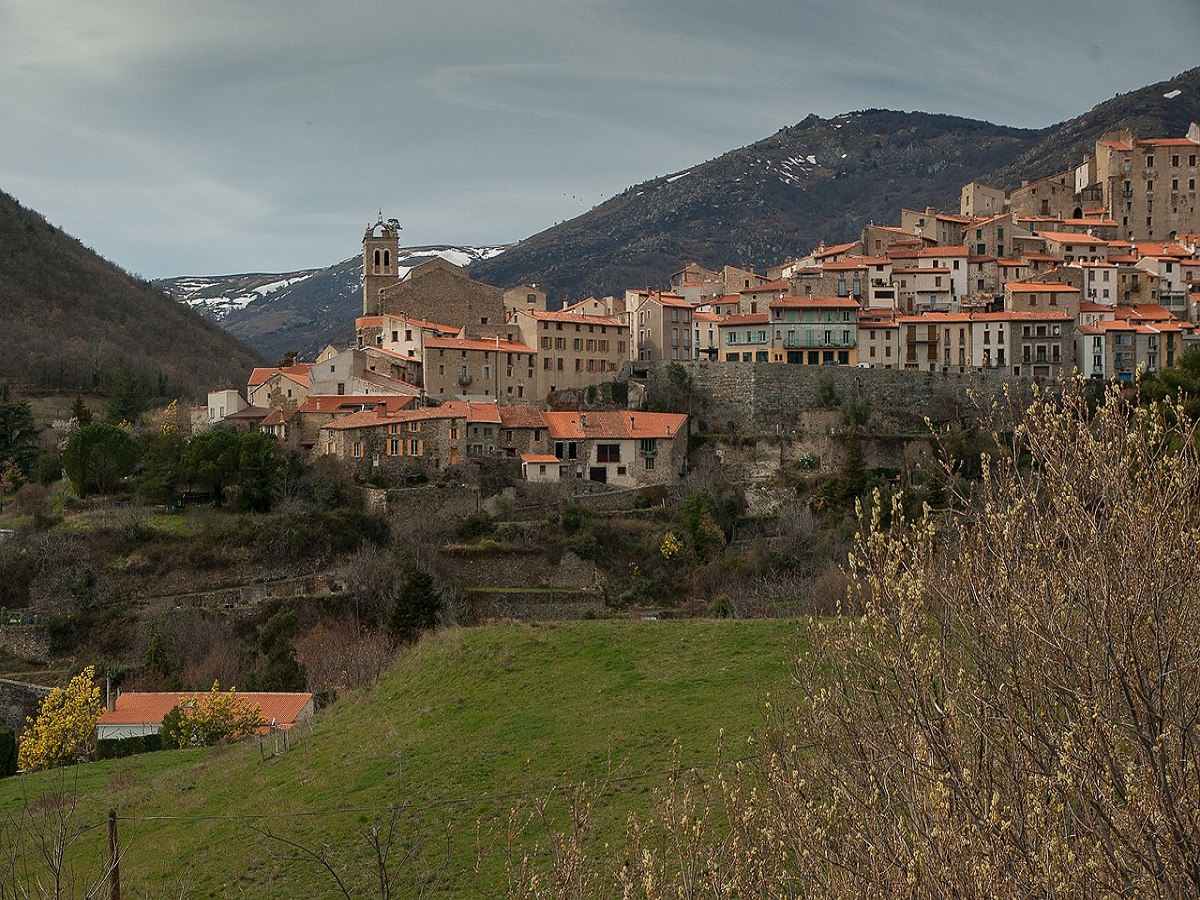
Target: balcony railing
x,y
816,343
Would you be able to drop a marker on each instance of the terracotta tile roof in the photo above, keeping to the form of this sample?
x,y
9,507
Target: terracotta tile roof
x,y
1070,237
148,708
473,411
1031,287
367,321
704,316
1167,142
934,252
482,344
835,250
613,424
522,417
297,373
540,458
575,318
747,319
373,418
1123,146
815,303
670,300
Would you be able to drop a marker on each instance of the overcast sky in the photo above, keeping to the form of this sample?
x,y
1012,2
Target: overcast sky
x,y
213,137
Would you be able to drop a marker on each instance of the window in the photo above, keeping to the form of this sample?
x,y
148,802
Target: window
x,y
608,453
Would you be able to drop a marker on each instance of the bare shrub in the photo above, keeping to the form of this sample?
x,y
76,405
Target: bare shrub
x,y
1012,711
339,657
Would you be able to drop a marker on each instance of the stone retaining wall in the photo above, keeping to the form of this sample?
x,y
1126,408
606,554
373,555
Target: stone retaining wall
x,y
532,606
19,701
763,398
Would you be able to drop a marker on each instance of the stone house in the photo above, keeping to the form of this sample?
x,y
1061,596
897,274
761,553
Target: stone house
x,y
278,386
625,448
479,369
575,350
660,327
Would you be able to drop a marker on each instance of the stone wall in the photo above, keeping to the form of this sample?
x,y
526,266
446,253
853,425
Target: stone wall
x,y
26,643
518,569
19,701
532,606
754,398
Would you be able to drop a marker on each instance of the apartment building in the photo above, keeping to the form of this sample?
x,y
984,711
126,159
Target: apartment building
x,y
575,350
661,326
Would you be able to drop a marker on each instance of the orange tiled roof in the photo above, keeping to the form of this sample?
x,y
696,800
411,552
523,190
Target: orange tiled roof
x,y
297,373
613,424
540,458
148,708
521,417
1032,287
815,303
576,318
1071,237
503,346
747,319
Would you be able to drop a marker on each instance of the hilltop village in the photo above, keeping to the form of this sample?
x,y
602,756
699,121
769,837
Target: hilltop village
x,y
1094,270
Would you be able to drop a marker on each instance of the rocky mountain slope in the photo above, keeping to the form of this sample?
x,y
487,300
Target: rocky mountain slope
x,y
820,180
72,320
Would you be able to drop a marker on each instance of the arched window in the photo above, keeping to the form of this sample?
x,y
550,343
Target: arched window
x,y
387,258
376,260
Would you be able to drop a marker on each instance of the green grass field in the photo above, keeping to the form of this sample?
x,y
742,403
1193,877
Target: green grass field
x,y
469,724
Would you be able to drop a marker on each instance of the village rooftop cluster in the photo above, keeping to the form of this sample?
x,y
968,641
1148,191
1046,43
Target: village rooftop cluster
x,y
1093,270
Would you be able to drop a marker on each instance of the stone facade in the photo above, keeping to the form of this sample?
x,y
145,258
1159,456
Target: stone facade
x,y
440,291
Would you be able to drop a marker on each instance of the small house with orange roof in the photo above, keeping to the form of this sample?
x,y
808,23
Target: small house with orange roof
x,y
139,713
623,448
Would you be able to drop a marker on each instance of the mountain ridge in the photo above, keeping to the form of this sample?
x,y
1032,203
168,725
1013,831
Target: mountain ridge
x,y
820,180
73,320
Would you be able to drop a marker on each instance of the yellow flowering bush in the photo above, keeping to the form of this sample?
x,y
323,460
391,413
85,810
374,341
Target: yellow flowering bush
x,y
65,729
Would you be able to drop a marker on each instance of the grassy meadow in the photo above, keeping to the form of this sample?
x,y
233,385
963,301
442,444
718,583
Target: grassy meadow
x,y
468,725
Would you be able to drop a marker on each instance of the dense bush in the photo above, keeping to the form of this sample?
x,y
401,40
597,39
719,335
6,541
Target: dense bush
x,y
119,748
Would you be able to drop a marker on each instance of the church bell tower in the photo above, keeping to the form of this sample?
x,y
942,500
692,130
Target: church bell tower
x,y
381,245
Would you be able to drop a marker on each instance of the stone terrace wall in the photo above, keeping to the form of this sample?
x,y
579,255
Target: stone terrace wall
x,y
18,701
763,398
533,606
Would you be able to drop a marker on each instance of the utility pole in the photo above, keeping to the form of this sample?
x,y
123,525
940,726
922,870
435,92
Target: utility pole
x,y
114,858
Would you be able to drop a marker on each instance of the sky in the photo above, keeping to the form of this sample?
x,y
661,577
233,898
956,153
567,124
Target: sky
x,y
213,137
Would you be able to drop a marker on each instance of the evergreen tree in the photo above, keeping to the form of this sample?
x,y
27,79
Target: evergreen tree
x,y
97,457
276,667
80,411
259,463
415,608
18,433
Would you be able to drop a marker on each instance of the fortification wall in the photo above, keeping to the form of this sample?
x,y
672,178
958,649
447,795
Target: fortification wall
x,y
763,398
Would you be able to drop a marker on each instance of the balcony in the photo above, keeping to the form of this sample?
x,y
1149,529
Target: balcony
x,y
816,343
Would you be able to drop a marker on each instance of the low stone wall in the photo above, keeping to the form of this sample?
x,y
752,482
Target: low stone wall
x,y
250,594
532,606
518,569
19,701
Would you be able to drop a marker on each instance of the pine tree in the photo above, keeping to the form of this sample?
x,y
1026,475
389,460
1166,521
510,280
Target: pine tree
x,y
416,607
